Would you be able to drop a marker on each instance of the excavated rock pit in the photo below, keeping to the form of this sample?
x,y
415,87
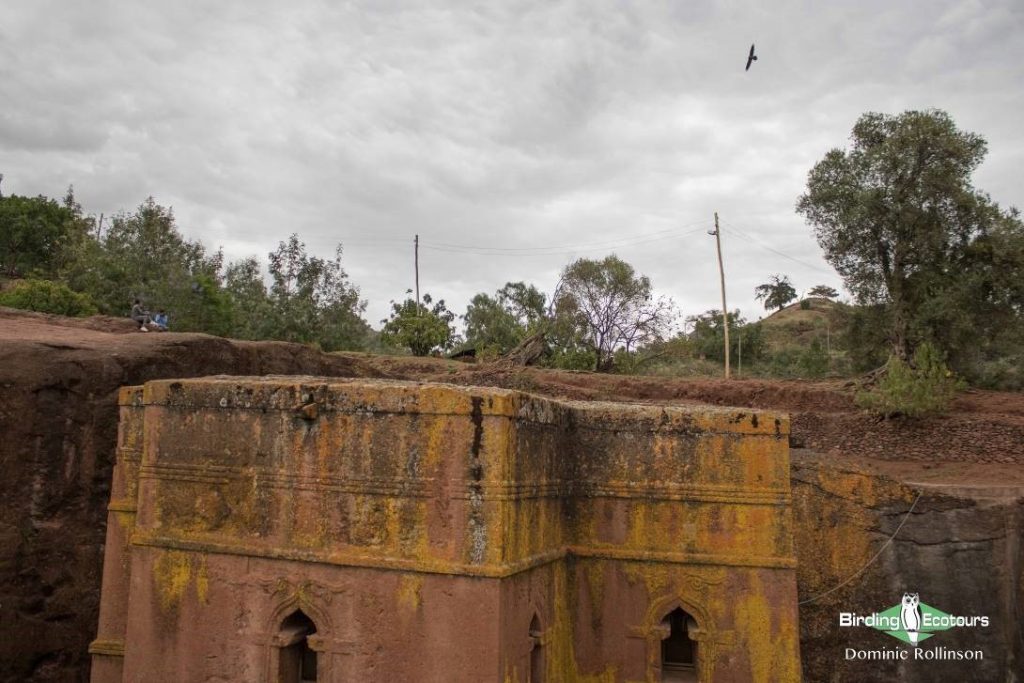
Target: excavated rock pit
x,y
959,548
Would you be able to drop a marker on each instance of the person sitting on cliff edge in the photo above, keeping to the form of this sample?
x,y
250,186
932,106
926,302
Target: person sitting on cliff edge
x,y
140,315
160,320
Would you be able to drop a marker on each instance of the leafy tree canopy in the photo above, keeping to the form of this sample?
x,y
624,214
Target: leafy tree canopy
x,y
144,255
421,328
823,291
708,335
500,322
776,293
607,306
898,217
311,299
37,233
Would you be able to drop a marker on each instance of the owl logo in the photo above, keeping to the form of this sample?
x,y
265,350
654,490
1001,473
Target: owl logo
x,y
910,616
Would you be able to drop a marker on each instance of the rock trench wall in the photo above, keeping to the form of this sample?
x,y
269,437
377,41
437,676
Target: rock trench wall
x,y
961,554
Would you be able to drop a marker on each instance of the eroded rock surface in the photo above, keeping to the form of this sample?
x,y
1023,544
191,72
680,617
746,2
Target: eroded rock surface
x,y
959,550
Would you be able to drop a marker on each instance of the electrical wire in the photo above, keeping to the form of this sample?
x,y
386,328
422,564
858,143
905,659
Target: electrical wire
x,y
761,244
869,562
551,250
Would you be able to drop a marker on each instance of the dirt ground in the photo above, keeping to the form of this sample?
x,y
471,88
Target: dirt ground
x,y
981,439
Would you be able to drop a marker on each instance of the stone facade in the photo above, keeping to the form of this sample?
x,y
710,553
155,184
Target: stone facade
x,y
300,528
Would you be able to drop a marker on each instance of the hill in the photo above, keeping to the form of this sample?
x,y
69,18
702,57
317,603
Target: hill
x,y
796,327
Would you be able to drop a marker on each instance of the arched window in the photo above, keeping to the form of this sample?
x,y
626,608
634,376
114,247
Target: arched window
x,y
297,662
536,652
678,649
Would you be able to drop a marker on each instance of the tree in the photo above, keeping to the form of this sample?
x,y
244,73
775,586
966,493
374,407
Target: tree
x,y
311,299
37,234
496,324
899,219
253,316
608,306
419,327
776,293
823,291
708,336
143,255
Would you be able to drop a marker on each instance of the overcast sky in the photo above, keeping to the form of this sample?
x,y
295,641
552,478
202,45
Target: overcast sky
x,y
512,136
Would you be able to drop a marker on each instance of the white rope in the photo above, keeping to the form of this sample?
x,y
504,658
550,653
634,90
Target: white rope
x,y
871,561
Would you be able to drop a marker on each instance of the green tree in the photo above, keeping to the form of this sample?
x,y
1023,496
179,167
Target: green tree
x,y
708,336
37,234
776,293
421,328
605,305
252,311
496,324
823,291
311,299
898,217
143,255
924,387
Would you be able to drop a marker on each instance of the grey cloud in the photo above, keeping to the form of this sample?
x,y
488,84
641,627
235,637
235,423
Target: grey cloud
x,y
516,124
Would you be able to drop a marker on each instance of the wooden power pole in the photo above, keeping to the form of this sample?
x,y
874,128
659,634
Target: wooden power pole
x,y
721,275
416,257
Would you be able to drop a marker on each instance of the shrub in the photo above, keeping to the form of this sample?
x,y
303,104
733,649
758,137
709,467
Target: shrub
x,y
926,387
46,296
1002,374
805,304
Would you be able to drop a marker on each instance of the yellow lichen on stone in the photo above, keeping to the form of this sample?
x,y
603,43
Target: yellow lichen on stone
x,y
409,592
173,572
202,582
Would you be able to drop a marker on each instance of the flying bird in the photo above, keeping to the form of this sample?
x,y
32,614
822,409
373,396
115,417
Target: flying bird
x,y
751,58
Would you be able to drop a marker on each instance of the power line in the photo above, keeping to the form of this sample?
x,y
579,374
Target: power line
x,y
553,251
667,231
776,251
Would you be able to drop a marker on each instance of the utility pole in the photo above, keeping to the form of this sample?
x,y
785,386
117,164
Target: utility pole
x,y
416,250
721,274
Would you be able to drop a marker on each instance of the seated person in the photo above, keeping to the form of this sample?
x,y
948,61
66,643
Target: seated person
x,y
160,320
140,315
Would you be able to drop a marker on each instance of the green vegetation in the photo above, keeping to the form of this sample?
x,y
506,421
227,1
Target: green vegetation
x,y
823,291
494,325
76,268
37,235
419,327
928,257
775,293
45,296
603,306
923,387
934,266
